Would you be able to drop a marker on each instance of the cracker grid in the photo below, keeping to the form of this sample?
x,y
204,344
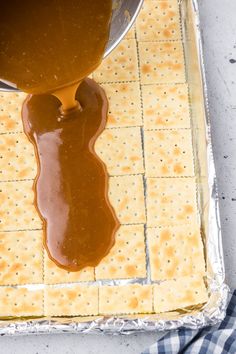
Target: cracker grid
x,y
153,64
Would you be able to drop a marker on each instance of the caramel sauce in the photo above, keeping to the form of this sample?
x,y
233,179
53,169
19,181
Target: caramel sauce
x,y
71,186
47,48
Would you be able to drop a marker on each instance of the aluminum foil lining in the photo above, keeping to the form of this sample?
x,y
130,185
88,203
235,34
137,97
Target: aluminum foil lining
x,y
195,317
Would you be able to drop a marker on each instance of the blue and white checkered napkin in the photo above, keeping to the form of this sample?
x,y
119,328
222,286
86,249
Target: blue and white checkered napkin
x,y
216,339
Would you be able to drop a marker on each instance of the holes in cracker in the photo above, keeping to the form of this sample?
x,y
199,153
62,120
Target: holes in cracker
x,y
169,153
10,116
161,64
77,300
55,275
17,157
136,299
18,219
166,106
128,190
167,260
163,193
127,257
22,267
121,150
122,112
121,65
158,21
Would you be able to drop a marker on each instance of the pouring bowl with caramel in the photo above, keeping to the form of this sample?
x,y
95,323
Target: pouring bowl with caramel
x,y
123,16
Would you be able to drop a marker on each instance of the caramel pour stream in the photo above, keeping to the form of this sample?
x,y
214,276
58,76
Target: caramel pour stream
x,y
67,98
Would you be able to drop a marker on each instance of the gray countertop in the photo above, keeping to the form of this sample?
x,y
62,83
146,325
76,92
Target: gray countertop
x,y
219,37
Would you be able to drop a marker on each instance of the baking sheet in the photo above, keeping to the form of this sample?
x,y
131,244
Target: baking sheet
x,y
193,317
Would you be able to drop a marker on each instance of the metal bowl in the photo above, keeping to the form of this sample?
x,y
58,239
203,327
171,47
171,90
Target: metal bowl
x,y
124,15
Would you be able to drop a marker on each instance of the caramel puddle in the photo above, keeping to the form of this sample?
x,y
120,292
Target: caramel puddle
x,y
71,188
